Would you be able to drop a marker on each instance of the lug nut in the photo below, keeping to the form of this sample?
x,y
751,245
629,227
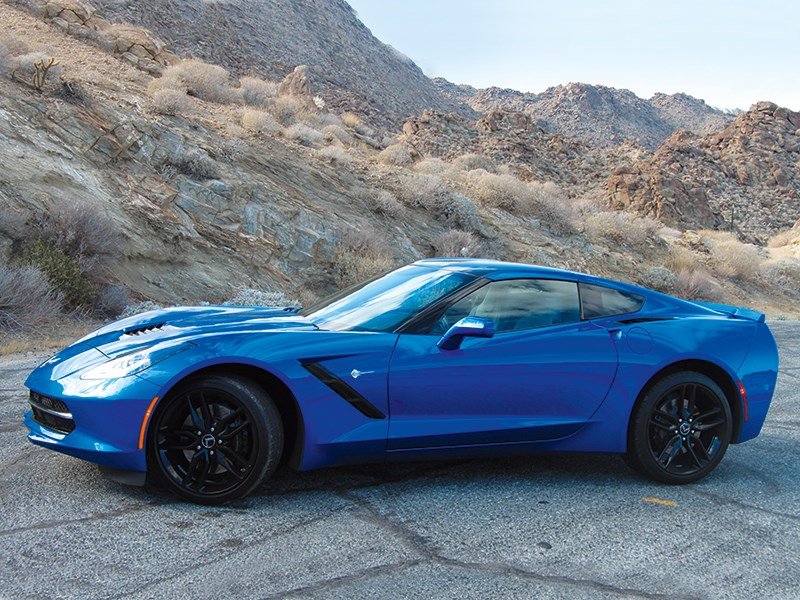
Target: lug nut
x,y
198,447
212,453
212,429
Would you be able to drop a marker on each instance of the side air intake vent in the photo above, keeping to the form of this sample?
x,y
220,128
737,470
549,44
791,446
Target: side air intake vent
x,y
143,330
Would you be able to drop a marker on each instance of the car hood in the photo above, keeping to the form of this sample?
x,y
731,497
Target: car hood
x,y
172,325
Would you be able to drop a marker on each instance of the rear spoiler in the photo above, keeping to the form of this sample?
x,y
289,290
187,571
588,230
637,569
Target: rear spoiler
x,y
737,312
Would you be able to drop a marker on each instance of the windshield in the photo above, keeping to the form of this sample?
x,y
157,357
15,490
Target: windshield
x,y
385,303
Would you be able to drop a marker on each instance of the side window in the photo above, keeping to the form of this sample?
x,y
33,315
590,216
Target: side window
x,y
517,304
598,301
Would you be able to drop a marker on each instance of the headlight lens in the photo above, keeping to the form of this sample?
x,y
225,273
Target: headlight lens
x,y
133,363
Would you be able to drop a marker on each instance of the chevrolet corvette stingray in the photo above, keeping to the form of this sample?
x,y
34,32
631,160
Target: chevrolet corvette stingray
x,y
439,359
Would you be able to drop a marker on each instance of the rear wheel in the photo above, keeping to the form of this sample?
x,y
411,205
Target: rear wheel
x,y
680,429
215,439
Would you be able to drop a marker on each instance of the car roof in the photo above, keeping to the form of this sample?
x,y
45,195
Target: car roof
x,y
484,266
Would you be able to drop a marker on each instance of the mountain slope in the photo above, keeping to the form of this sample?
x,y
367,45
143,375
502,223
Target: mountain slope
x,y
350,68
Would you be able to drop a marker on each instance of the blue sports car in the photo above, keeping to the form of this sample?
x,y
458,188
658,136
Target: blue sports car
x,y
439,359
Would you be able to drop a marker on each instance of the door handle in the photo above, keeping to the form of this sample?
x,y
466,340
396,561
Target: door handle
x,y
616,334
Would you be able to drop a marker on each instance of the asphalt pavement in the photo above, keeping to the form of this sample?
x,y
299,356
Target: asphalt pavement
x,y
549,526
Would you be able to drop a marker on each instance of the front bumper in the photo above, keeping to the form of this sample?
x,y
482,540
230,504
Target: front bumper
x,y
106,428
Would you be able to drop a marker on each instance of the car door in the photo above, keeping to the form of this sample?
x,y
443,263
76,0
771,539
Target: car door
x,y
542,375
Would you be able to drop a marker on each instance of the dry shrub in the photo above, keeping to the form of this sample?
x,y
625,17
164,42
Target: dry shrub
x,y
302,133
472,161
259,121
257,92
697,284
461,212
338,133
29,68
501,191
621,228
384,202
352,120
553,206
27,299
113,300
81,231
457,243
320,120
63,272
659,278
195,163
786,238
359,255
335,155
200,79
783,273
428,191
731,257
246,296
680,259
435,166
170,102
287,109
397,154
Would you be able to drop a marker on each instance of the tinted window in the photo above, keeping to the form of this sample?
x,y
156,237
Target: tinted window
x,y
517,304
384,303
599,301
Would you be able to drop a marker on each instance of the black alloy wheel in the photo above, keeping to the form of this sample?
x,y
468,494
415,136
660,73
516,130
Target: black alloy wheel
x,y
681,429
215,439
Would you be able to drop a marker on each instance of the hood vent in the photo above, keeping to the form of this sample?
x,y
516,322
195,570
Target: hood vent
x,y
146,329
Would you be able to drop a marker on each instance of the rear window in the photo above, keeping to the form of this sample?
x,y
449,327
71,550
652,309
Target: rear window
x,y
598,301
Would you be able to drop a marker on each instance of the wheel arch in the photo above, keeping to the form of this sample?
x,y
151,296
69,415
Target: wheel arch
x,y
271,383
715,372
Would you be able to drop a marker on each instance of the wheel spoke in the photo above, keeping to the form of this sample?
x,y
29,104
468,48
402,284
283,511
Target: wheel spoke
x,y
694,456
679,409
193,466
198,422
705,415
226,465
223,423
661,425
670,452
702,448
204,411
235,456
229,434
665,415
709,425
201,480
691,390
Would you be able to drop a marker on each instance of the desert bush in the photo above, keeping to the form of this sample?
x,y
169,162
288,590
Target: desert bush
x,y
195,163
251,297
63,272
434,166
457,243
731,257
472,161
200,79
138,308
232,149
112,300
431,192
659,278
170,102
335,155
384,202
783,273
259,121
697,284
72,90
334,133
287,109
257,92
553,206
33,68
27,299
785,238
398,155
502,191
680,259
621,228
81,231
359,255
352,120
308,136
462,213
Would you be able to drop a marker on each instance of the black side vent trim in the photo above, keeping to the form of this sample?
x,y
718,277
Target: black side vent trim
x,y
358,401
645,320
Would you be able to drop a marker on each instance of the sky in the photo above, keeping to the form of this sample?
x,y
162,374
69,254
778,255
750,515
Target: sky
x,y
731,54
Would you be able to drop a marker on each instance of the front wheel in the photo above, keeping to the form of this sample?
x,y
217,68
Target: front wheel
x,y
215,439
680,429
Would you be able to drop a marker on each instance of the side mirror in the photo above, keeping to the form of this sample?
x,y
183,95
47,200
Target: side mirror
x,y
466,327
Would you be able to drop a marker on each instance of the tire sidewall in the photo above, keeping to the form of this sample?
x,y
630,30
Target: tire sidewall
x,y
639,454
267,425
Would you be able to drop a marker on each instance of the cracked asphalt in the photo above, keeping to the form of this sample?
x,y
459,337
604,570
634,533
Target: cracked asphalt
x,y
547,526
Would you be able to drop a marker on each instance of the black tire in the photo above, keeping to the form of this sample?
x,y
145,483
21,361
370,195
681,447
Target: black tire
x,y
680,429
215,439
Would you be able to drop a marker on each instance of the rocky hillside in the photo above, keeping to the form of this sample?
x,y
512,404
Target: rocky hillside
x,y
745,178
206,180
349,67
600,116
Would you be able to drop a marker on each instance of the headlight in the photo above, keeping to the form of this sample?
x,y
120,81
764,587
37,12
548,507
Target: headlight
x,y
133,363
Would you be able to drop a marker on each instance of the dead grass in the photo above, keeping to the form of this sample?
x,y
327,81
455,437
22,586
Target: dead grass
x,y
731,257
303,134
359,255
398,155
203,80
697,284
259,121
335,155
257,92
170,102
501,191
456,243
